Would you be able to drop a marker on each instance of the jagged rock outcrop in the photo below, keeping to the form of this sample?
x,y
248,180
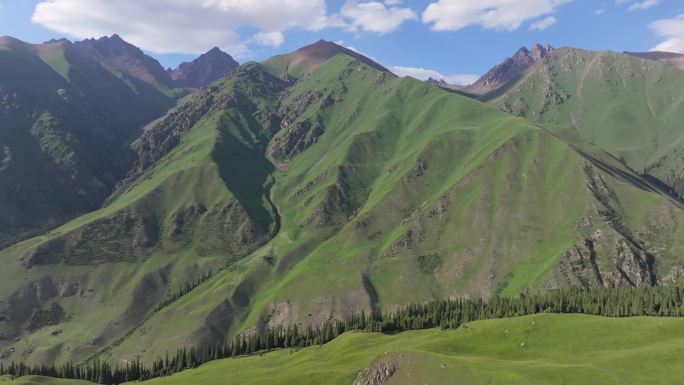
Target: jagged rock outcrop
x,y
511,68
609,255
377,374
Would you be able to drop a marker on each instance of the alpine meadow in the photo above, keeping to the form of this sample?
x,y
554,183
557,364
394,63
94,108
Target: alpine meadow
x,y
316,215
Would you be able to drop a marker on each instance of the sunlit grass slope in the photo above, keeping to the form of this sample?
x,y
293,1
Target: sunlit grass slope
x,y
630,107
540,349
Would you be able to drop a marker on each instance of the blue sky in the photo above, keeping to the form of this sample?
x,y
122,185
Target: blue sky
x,y
453,38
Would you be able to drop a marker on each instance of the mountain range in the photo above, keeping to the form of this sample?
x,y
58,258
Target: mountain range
x,y
146,209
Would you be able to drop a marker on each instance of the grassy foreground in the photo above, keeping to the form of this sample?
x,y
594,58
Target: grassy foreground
x,y
539,349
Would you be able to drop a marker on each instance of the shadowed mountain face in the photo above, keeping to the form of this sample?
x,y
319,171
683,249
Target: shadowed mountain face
x,y
316,185
674,59
66,111
207,68
510,69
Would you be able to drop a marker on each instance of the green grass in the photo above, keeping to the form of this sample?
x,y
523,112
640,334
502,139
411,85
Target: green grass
x,y
540,349
630,107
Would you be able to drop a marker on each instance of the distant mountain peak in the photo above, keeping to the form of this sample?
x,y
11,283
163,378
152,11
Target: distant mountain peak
x,y
206,68
125,57
313,55
512,67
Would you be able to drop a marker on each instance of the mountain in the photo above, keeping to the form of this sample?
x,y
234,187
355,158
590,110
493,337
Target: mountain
x,y
630,107
509,70
207,68
116,54
64,116
674,59
316,185
309,58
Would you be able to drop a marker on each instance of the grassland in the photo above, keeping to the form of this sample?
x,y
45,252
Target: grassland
x,y
539,349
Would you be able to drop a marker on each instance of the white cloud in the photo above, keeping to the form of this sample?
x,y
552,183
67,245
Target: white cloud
x,y
374,16
424,74
180,26
543,24
452,15
673,32
416,72
462,79
646,4
271,39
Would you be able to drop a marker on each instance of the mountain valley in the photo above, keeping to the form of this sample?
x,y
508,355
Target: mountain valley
x,y
146,210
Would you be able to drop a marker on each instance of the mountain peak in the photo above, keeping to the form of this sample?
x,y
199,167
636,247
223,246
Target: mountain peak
x,y
205,69
314,55
123,56
512,67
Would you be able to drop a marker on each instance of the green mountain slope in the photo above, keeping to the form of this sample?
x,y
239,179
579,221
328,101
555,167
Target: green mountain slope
x,y
316,185
630,107
64,118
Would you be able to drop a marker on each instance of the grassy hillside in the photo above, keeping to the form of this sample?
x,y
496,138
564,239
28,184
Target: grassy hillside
x,y
630,107
65,118
372,217
317,185
542,349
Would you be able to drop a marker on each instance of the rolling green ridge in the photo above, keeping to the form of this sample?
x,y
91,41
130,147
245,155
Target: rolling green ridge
x,y
316,185
630,107
540,349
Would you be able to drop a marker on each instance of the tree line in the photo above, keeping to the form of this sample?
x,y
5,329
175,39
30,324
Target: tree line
x,y
663,301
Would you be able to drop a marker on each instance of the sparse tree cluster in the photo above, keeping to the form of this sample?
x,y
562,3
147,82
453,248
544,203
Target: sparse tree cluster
x,y
611,302
185,289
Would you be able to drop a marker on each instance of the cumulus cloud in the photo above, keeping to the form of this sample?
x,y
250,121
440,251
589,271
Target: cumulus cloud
x,y
673,32
543,24
375,16
646,4
424,74
452,15
271,39
180,26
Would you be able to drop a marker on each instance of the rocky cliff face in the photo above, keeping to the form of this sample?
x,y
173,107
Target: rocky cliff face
x,y
208,67
511,68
